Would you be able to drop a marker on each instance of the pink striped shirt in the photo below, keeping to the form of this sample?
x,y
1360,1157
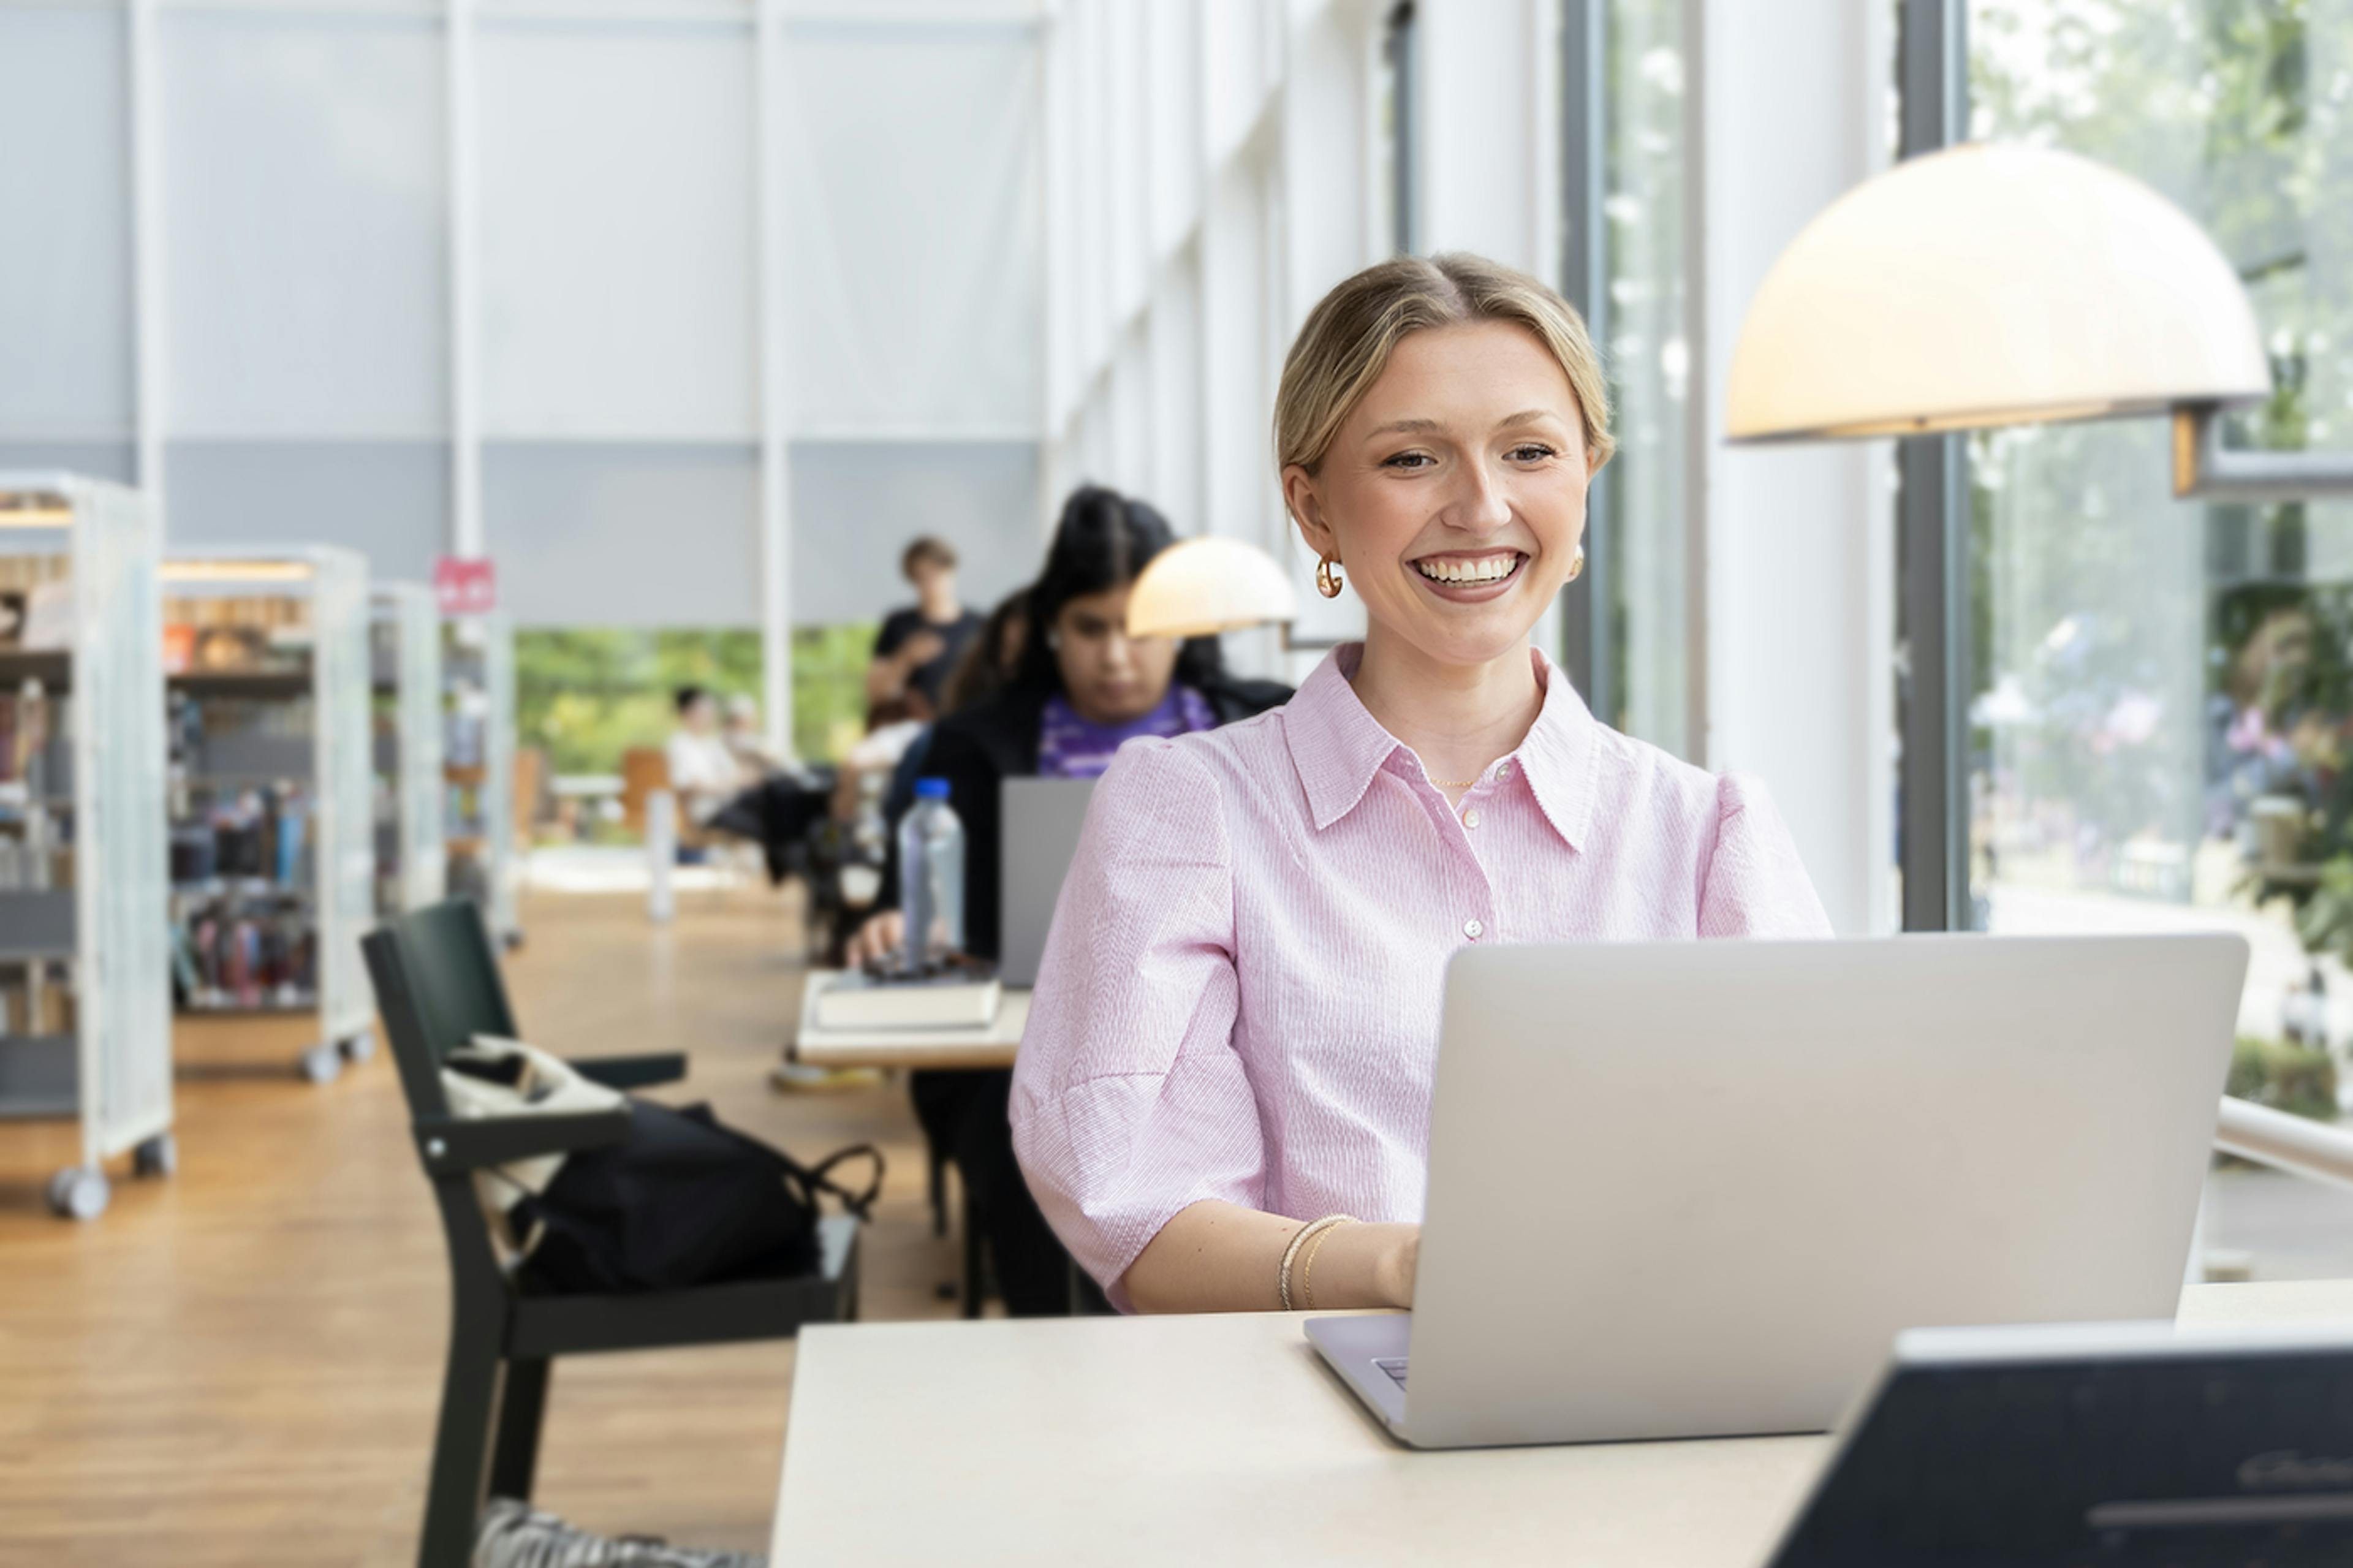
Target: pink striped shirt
x,y
1241,995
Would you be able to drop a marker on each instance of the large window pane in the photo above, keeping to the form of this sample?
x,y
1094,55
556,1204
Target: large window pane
x,y
1642,516
2162,714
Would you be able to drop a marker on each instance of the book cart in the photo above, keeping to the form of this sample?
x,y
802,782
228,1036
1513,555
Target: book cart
x,y
477,671
404,664
85,1009
272,850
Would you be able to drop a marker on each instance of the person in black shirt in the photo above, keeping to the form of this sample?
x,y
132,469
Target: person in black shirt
x,y
920,646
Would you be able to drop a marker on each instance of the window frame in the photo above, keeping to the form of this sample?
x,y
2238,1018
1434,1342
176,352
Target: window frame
x,y
1586,647
1932,538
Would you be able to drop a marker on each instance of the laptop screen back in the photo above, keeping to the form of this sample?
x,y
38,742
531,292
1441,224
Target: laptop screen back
x,y
1040,823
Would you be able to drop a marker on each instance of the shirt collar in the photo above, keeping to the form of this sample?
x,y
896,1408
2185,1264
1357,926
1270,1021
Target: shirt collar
x,y
1337,745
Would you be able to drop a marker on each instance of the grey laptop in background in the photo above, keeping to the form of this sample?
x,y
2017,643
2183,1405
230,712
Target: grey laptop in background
x,y
1040,820
1696,1188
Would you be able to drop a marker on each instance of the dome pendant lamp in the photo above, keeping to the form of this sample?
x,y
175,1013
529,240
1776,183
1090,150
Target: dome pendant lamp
x,y
1992,284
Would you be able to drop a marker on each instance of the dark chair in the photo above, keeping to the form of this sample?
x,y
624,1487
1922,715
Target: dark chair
x,y
436,985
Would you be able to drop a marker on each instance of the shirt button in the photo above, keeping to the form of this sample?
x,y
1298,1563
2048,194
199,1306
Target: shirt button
x,y
1503,770
1471,817
1471,928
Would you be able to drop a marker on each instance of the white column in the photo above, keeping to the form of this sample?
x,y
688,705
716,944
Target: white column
x,y
1795,560
150,334
1236,447
1326,158
1062,384
467,538
1484,130
776,554
1174,361
1489,122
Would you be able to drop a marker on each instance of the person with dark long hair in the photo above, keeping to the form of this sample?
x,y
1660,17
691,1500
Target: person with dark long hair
x,y
1082,688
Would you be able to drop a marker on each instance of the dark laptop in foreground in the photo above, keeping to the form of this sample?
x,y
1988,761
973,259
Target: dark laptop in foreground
x,y
1696,1189
2130,1445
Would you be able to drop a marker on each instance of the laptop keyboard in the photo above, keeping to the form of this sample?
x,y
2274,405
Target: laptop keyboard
x,y
1394,1365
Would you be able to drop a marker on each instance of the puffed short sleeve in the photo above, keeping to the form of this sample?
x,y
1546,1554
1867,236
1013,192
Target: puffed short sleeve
x,y
1754,884
1129,1101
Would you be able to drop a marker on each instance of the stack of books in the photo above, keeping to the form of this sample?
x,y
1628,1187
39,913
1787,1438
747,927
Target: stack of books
x,y
958,999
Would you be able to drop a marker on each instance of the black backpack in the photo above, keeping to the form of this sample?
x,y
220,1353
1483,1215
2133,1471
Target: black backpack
x,y
684,1200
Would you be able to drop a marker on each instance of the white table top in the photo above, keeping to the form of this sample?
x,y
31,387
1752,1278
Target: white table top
x,y
1217,1439
992,1047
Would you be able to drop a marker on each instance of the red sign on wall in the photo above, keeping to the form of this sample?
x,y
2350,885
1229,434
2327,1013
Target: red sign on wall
x,y
464,586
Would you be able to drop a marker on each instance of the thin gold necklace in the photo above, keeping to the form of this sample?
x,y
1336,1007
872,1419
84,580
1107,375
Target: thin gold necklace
x,y
1449,783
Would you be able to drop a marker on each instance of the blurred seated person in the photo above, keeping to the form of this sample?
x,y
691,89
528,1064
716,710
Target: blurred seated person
x,y
898,748
779,798
740,727
703,772
985,669
989,665
873,757
2266,734
1080,688
920,645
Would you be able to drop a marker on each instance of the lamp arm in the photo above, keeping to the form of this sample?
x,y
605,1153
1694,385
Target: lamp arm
x,y
2205,469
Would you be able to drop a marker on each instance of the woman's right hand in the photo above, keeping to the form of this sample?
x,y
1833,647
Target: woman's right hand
x,y
882,936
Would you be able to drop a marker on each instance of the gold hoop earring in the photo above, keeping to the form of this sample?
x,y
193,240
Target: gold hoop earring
x,y
1577,564
1327,576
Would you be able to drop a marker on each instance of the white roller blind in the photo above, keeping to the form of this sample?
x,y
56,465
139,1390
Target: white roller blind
x,y
911,183
65,260
857,503
388,500
306,259
588,534
116,460
617,232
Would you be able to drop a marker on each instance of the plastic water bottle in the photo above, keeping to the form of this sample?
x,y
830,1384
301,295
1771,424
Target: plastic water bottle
x,y
930,877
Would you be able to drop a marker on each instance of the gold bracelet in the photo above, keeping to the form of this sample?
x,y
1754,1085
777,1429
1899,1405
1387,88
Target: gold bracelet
x,y
1283,1275
1307,1264
1300,1238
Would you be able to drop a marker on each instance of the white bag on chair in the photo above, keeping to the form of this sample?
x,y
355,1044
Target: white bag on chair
x,y
543,1085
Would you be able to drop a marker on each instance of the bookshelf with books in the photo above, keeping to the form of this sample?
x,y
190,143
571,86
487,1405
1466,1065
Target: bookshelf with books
x,y
404,663
85,1019
273,865
478,675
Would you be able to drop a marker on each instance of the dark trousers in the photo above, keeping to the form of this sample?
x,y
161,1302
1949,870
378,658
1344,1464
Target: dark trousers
x,y
965,1116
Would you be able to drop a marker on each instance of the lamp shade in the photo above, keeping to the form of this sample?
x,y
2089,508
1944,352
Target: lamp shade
x,y
1990,285
1198,587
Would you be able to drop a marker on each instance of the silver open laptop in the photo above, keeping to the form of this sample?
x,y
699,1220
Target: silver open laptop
x,y
1040,820
1686,1189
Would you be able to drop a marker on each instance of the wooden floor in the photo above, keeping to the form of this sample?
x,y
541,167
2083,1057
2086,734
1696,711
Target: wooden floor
x,y
241,1365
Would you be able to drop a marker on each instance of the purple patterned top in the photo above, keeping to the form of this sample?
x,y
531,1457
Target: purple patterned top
x,y
1070,747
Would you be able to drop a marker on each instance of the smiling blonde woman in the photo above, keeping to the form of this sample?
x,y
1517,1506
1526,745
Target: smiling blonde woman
x,y
1223,1100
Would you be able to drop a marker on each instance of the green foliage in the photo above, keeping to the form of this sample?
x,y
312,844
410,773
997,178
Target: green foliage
x,y
829,687
587,695
2324,914
2284,1077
